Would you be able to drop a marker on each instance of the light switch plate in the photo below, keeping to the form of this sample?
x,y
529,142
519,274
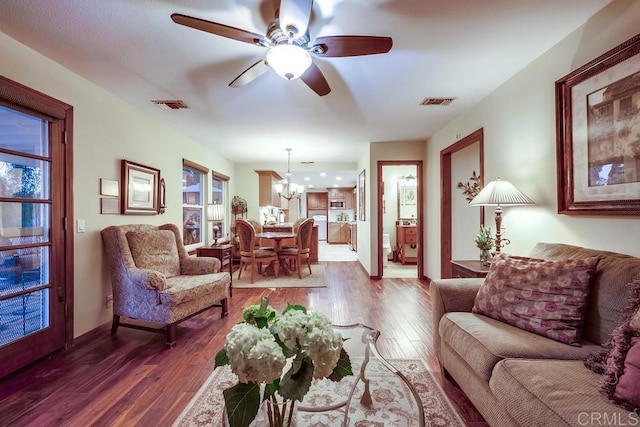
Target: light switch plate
x,y
80,226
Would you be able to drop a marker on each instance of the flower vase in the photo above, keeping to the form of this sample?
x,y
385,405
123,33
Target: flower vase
x,y
279,412
485,257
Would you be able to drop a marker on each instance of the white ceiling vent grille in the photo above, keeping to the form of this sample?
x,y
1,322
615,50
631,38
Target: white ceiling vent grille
x,y
170,104
437,101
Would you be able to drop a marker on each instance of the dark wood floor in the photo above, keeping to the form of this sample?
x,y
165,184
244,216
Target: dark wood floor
x,y
132,379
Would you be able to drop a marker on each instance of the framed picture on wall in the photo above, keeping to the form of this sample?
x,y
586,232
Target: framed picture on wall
x,y
598,135
361,196
140,189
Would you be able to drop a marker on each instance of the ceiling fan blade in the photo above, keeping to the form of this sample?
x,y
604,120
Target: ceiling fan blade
x,y
251,73
336,46
294,17
218,29
314,78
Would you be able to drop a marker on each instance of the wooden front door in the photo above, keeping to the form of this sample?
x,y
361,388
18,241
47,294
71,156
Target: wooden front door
x,y
35,277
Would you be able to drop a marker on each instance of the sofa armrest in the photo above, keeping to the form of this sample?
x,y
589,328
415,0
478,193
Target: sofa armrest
x,y
449,295
146,279
193,266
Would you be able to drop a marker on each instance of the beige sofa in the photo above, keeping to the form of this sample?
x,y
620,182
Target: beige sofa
x,y
154,279
518,378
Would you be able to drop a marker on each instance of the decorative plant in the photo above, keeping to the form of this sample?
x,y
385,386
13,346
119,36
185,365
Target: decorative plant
x,y
238,205
471,188
484,239
283,354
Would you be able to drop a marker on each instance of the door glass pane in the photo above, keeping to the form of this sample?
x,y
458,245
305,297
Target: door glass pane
x,y
23,315
23,269
23,177
24,133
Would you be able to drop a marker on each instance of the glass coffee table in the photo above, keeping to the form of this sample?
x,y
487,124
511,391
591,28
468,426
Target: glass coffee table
x,y
377,391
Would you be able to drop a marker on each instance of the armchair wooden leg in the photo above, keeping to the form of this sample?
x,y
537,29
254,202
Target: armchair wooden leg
x,y
224,303
171,335
115,323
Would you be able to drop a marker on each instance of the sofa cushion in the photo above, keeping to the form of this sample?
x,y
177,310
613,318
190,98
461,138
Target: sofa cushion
x,y
155,250
482,342
609,288
544,297
554,393
186,288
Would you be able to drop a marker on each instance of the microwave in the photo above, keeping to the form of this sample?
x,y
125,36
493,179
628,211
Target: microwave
x,y
336,204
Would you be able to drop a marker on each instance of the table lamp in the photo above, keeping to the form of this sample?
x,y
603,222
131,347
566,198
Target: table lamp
x,y
215,214
500,193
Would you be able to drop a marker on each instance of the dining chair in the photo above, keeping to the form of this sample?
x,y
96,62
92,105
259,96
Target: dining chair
x,y
249,254
294,229
302,251
257,227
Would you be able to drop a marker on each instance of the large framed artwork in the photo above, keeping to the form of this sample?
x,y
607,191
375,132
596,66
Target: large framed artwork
x,y
140,189
598,135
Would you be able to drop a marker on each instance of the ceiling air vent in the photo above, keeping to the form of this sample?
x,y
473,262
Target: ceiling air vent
x,y
437,101
170,104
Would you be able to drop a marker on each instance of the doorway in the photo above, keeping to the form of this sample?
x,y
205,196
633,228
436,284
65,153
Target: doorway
x,y
400,219
473,141
36,249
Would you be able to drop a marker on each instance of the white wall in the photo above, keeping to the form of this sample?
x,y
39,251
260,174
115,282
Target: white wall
x,y
106,129
465,219
520,142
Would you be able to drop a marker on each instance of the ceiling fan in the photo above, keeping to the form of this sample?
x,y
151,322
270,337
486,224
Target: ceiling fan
x,y
290,46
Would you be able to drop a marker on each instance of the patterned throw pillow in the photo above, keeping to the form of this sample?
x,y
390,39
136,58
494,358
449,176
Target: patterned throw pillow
x,y
155,250
544,297
621,379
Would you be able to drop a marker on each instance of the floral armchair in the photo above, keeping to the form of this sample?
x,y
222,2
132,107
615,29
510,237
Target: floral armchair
x,y
155,280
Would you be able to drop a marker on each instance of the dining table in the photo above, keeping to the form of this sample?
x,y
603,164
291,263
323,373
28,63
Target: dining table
x,y
278,237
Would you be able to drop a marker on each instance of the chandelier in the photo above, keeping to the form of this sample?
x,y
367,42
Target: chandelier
x,y
285,188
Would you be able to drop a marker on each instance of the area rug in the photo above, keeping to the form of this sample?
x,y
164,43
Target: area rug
x,y
391,405
317,279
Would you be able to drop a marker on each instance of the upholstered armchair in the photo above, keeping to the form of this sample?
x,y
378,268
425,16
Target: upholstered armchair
x,y
155,280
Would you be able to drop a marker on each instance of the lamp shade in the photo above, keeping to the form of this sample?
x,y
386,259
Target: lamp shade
x,y
288,60
500,193
215,212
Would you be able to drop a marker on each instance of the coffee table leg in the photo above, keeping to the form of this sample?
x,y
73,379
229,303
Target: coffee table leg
x,y
366,395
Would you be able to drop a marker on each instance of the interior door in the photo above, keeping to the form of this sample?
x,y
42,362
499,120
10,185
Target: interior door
x,y
33,285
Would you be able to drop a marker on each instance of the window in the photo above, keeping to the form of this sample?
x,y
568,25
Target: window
x,y
219,187
193,203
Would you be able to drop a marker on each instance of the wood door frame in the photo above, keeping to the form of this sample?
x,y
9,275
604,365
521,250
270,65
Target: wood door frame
x,y
446,229
419,180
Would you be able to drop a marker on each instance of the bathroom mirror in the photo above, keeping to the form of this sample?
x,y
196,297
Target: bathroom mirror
x,y
407,198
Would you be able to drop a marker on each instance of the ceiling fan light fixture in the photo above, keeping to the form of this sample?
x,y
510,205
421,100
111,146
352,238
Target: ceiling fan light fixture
x,y
289,61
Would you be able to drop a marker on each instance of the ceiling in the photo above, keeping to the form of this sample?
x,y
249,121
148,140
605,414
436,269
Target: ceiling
x,y
462,49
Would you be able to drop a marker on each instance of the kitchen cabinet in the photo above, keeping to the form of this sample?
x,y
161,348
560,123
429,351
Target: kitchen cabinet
x,y
267,195
317,201
407,243
338,232
346,194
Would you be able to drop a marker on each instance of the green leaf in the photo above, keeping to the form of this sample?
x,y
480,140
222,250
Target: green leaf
x,y
222,358
242,402
271,388
294,386
343,367
295,307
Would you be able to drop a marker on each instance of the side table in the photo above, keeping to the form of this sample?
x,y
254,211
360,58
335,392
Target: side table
x,y
468,268
224,253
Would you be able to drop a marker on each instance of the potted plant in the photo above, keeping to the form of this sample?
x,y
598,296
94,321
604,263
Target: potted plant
x,y
485,242
238,205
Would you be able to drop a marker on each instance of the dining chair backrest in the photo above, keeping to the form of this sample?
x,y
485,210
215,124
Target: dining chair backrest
x,y
303,236
246,236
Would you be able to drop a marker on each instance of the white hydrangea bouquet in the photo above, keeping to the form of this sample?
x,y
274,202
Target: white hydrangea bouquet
x,y
283,354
